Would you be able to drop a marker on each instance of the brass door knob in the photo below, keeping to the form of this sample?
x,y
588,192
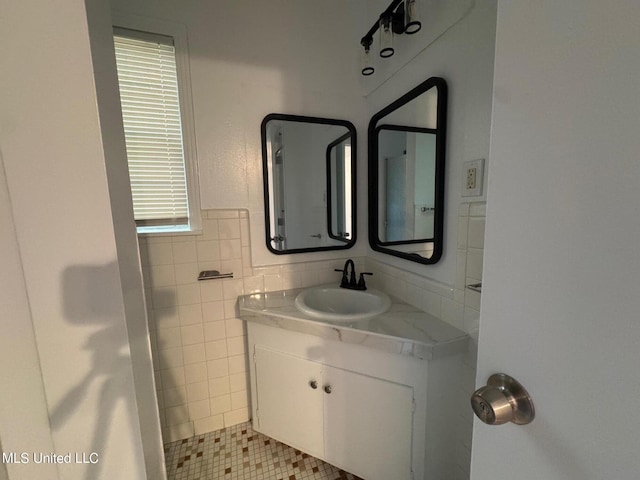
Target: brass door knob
x,y
503,400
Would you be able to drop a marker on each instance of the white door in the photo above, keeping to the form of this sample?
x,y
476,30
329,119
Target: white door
x,y
561,291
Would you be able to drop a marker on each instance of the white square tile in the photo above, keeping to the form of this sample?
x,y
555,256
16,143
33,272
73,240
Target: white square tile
x,y
246,260
195,372
184,252
232,266
168,338
237,364
229,228
463,210
192,334
190,314
175,396
452,312
160,253
214,331
461,269
209,424
474,263
178,432
209,230
472,299
236,416
236,345
244,232
212,311
166,317
222,213
193,353
170,358
164,297
253,284
161,276
186,273
476,232
478,209
231,309
463,229
219,386
188,294
239,399
208,250
472,322
199,409
238,382
235,327
216,349
272,283
230,249
220,404
177,415
173,377
211,290
218,368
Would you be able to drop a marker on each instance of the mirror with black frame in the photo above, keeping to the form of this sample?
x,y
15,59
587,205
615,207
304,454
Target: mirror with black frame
x,y
309,183
406,174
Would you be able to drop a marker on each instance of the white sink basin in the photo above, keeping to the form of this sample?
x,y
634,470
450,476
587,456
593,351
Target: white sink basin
x,y
341,304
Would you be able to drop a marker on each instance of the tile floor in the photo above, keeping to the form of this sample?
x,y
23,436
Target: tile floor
x,y
240,453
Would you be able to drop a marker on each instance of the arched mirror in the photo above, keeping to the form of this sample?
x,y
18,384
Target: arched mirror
x,y
406,174
309,183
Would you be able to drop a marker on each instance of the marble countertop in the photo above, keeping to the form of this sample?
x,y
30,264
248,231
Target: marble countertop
x,y
403,329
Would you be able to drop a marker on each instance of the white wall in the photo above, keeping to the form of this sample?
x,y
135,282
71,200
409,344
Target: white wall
x,y
55,171
249,59
463,56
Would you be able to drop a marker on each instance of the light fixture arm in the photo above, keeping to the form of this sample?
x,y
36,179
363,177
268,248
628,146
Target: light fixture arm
x,y
390,10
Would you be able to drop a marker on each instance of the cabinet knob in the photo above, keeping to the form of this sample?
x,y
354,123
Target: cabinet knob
x,y
313,384
503,400
327,389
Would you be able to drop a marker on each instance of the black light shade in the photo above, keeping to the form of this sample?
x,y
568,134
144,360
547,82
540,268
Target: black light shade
x,y
386,36
411,22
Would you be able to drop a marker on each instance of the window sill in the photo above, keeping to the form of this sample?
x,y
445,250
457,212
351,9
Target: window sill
x,y
167,231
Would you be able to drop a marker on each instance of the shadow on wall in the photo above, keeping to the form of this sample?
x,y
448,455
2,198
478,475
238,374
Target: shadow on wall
x,y
88,292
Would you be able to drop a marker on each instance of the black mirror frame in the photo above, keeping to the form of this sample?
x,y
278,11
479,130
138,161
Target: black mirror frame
x,y
441,136
265,178
330,232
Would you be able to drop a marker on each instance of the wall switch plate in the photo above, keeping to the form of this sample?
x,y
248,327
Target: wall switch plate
x,y
473,174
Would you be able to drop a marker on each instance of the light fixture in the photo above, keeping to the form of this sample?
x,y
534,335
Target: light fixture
x,y
399,17
367,66
411,23
386,36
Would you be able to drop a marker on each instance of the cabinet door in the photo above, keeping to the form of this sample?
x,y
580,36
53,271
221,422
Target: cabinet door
x,y
289,408
368,425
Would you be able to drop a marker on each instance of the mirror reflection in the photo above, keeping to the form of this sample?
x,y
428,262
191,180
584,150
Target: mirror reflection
x,y
309,183
339,191
406,174
406,188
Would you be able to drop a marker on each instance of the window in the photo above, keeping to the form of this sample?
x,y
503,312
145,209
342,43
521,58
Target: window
x,y
161,167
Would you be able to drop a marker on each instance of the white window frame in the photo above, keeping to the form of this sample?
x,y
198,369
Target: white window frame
x,y
179,34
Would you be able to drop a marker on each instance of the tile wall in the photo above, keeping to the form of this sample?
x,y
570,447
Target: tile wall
x,y
198,341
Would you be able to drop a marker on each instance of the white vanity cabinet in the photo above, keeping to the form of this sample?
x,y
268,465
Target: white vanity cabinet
x,y
312,394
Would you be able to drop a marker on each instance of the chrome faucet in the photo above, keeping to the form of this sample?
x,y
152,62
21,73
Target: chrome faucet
x,y
349,278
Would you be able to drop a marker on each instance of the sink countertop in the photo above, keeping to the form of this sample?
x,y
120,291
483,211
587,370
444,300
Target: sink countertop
x,y
403,329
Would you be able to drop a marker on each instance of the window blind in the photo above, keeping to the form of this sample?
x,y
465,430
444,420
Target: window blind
x,y
148,82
